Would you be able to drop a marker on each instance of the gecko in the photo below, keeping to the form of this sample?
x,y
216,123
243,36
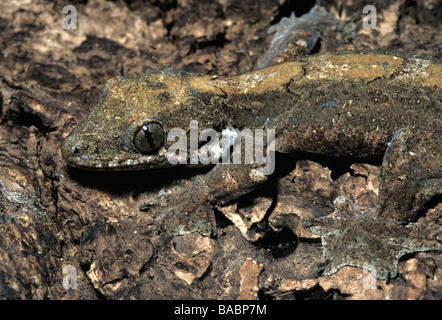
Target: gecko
x,y
341,104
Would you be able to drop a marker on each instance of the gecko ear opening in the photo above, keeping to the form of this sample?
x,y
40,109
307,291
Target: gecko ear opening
x,y
149,137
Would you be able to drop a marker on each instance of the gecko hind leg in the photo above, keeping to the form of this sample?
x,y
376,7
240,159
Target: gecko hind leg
x,y
411,174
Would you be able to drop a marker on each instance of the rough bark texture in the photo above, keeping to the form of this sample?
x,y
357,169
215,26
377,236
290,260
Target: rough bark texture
x,y
52,216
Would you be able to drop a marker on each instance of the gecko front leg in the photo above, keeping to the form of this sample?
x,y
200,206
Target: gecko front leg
x,y
411,175
187,207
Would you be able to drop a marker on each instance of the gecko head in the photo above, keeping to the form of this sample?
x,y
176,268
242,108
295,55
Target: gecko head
x,y
128,128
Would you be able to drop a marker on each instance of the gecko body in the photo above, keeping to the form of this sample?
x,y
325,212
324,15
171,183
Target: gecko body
x,y
338,104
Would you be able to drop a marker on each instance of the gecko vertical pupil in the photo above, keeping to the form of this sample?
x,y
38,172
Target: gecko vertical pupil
x,y
149,137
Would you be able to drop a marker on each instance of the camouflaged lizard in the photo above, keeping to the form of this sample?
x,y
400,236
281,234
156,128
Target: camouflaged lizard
x,y
339,104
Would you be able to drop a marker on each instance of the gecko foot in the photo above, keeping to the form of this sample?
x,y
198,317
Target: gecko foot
x,y
354,237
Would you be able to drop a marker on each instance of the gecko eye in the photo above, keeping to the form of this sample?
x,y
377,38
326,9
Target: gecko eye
x,y
149,137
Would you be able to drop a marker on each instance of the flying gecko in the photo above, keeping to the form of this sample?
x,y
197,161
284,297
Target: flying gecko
x,y
358,104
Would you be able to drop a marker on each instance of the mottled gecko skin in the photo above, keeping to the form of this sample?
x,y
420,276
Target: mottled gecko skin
x,y
335,103
338,104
